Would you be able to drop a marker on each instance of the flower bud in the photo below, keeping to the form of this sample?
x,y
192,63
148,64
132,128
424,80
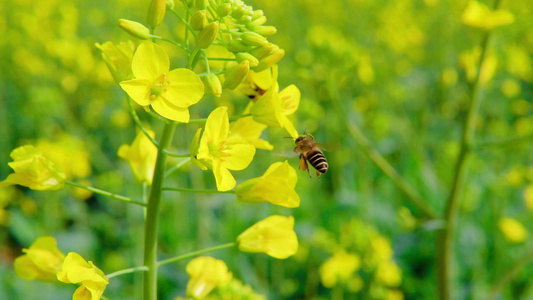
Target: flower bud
x,y
198,20
256,14
265,31
264,50
270,60
236,75
170,4
134,29
238,13
207,35
245,19
253,39
201,4
156,12
224,9
242,56
212,84
236,45
257,22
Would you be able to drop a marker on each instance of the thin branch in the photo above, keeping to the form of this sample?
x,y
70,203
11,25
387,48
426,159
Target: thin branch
x,y
195,253
105,193
127,271
174,189
521,263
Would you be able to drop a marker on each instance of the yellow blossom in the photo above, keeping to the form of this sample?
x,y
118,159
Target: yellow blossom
x,y
222,156
170,93
91,279
34,170
206,274
234,289
141,156
248,130
118,59
275,186
274,236
339,268
389,274
69,153
481,16
512,230
42,260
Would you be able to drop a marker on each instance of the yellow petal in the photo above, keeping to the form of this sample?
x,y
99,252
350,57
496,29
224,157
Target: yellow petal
x,y
240,156
185,89
170,111
217,125
223,177
290,99
149,61
138,90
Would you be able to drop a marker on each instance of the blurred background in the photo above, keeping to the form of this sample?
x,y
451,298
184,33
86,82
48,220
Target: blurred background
x,y
401,70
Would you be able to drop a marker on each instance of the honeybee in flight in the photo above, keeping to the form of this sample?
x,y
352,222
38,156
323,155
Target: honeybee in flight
x,y
308,150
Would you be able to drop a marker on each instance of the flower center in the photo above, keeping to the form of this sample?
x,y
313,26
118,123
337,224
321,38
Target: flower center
x,y
160,86
217,150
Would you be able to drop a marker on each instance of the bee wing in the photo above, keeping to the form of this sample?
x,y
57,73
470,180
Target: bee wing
x,y
288,154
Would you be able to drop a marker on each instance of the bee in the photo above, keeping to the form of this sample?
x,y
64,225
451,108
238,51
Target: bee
x,y
308,150
256,94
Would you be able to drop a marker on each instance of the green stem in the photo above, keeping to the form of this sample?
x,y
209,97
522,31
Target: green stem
x,y
376,157
446,237
195,253
510,141
197,191
152,214
105,193
232,118
177,166
127,271
184,21
170,41
139,123
175,154
509,275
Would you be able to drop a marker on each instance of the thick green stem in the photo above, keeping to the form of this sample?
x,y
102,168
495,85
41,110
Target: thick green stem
x,y
376,157
152,215
105,193
195,253
446,237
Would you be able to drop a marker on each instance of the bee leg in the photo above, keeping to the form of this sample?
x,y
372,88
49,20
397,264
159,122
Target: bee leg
x,y
318,175
304,166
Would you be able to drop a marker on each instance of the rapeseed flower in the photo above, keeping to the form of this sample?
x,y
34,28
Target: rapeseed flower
x,y
118,59
91,279
141,156
206,274
169,93
219,154
248,130
274,236
340,268
481,16
69,153
275,186
41,261
512,230
33,170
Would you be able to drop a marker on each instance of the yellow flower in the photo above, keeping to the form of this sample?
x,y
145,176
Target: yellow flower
x,y
274,236
256,82
480,16
512,230
76,270
141,156
275,186
248,130
234,289
170,93
339,268
219,153
389,274
34,170
42,260
118,59
206,274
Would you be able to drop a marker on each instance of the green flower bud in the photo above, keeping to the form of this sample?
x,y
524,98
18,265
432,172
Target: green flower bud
x,y
170,4
212,84
198,20
257,14
238,46
207,35
253,39
224,9
245,19
134,29
236,75
257,22
242,56
270,60
156,12
201,4
262,51
265,31
237,13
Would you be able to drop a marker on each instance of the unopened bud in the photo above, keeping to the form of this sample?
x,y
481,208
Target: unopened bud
x,y
242,56
253,39
207,35
257,22
257,14
224,9
156,12
134,29
170,4
201,4
262,51
212,84
198,20
270,60
236,45
238,13
245,19
265,31
236,75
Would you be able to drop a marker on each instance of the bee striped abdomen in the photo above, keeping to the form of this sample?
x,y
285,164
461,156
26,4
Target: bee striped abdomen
x,y
317,159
